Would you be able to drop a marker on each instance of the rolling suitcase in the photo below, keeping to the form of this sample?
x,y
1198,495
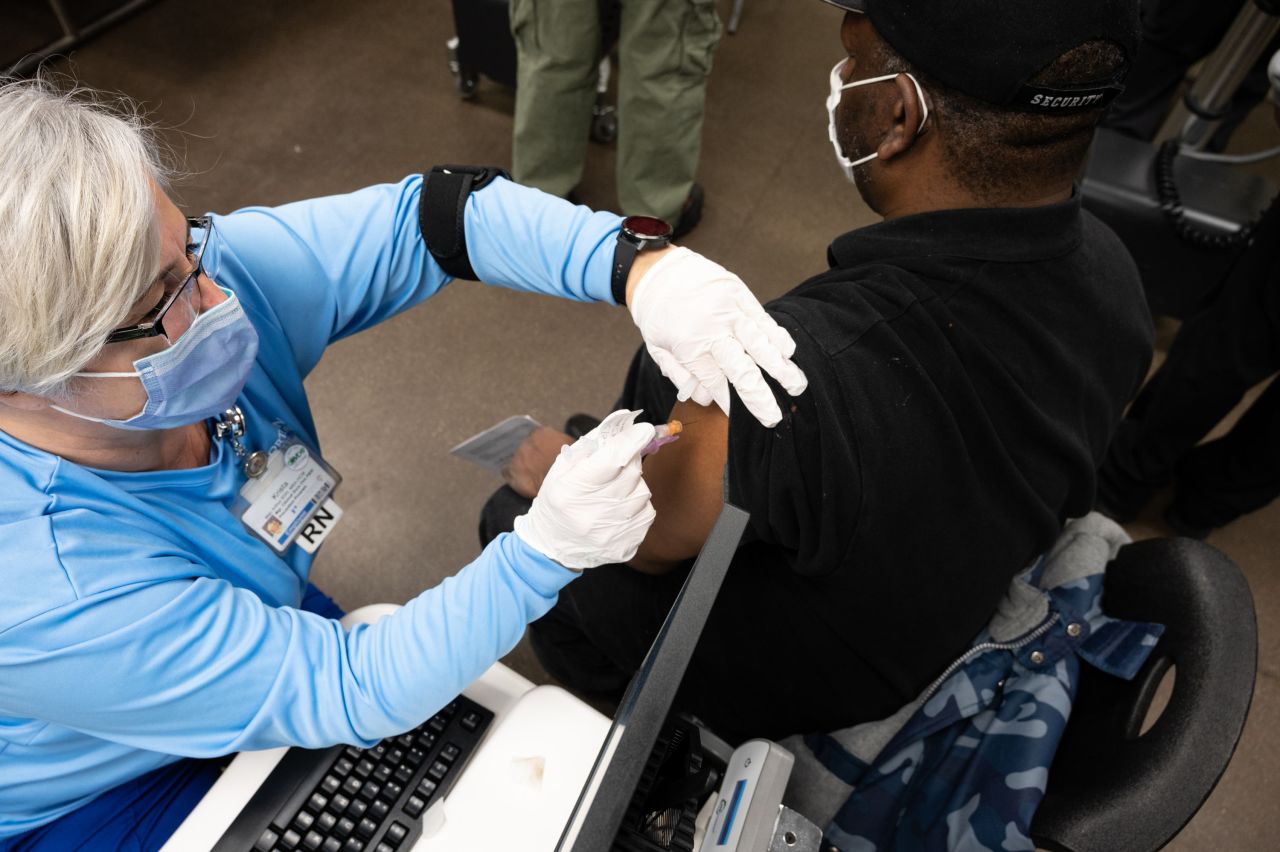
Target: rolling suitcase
x,y
483,46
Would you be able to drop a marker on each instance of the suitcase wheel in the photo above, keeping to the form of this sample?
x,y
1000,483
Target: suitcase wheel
x,y
604,124
463,79
466,83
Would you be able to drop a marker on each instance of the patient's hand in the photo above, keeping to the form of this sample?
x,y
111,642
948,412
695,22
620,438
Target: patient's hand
x,y
533,459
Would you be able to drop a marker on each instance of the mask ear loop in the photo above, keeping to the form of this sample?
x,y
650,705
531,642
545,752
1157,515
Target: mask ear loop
x,y
924,106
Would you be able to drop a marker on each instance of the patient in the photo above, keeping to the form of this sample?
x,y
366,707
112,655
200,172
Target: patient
x,y
968,360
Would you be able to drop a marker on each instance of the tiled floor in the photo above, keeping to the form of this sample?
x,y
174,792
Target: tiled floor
x,y
267,101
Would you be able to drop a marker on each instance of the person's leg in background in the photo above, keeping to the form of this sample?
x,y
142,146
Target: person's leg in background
x,y
558,52
1217,356
1237,474
665,51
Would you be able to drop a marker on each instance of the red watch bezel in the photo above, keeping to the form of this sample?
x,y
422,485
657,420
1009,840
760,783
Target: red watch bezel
x,y
647,229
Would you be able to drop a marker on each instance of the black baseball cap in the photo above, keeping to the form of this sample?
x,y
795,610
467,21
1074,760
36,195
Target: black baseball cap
x,y
989,49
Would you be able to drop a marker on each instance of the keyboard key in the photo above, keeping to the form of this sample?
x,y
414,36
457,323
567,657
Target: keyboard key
x,y
451,709
312,841
365,767
384,847
303,821
378,751
331,844
330,785
353,752
342,768
438,770
325,822
382,774
404,774
367,828
370,790
357,809
353,845
438,723
291,839
266,841
395,757
415,756
470,720
378,810
414,806
396,832
339,803
450,752
405,740
317,802
345,826
351,786
425,788
391,791
426,740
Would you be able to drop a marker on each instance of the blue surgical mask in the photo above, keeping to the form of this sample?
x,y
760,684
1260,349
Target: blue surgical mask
x,y
833,101
199,376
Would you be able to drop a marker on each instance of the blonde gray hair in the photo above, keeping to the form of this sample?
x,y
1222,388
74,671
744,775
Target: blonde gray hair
x,y
79,234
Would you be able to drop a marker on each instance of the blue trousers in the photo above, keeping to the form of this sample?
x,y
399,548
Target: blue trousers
x,y
140,815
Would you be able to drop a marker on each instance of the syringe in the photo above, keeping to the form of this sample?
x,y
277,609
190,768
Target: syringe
x,y
666,433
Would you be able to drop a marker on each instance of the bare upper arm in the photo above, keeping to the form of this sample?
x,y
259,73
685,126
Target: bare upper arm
x,y
686,478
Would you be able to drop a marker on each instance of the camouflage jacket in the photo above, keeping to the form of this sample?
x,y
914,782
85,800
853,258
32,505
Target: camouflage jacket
x,y
965,765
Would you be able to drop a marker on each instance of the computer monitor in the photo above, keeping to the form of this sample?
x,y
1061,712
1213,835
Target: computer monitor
x,y
607,792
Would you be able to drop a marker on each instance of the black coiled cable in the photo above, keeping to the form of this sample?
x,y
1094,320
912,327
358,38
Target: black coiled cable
x,y
1176,214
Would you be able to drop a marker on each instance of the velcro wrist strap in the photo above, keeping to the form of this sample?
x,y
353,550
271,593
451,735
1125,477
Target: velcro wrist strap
x,y
441,207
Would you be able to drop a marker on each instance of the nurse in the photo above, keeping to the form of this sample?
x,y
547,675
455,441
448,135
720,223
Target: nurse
x,y
158,462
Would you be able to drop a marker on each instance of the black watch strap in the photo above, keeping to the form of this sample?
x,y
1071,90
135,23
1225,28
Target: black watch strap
x,y
623,256
443,202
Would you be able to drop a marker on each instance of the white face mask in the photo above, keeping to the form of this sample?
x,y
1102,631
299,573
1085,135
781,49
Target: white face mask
x,y
833,101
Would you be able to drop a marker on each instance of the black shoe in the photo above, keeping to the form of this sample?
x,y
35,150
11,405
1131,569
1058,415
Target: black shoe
x,y
1119,497
1178,521
580,424
690,213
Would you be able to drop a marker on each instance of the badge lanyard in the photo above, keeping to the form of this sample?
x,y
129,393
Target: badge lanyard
x,y
288,495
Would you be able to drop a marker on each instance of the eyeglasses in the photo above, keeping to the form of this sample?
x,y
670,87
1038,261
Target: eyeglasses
x,y
152,325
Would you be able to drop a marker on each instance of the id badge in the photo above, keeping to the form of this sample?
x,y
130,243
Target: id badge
x,y
294,490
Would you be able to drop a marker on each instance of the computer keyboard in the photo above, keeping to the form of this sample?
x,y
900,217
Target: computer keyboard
x,y
348,799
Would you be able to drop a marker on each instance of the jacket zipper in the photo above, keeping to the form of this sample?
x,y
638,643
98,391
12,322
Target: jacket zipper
x,y
984,647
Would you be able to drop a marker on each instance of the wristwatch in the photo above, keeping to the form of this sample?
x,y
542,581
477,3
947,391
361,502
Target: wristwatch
x,y
638,234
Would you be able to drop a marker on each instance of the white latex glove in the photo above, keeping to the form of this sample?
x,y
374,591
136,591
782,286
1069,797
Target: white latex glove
x,y
593,507
705,329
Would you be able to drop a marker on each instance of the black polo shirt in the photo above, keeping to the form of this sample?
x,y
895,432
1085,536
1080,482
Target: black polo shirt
x,y
966,370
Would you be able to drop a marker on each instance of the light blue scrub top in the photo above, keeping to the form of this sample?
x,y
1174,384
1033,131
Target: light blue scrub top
x,y
140,621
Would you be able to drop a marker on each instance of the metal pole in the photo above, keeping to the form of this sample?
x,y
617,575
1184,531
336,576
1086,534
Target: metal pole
x,y
71,37
1207,101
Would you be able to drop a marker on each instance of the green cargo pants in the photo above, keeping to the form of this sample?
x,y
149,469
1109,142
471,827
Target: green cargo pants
x,y
664,49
